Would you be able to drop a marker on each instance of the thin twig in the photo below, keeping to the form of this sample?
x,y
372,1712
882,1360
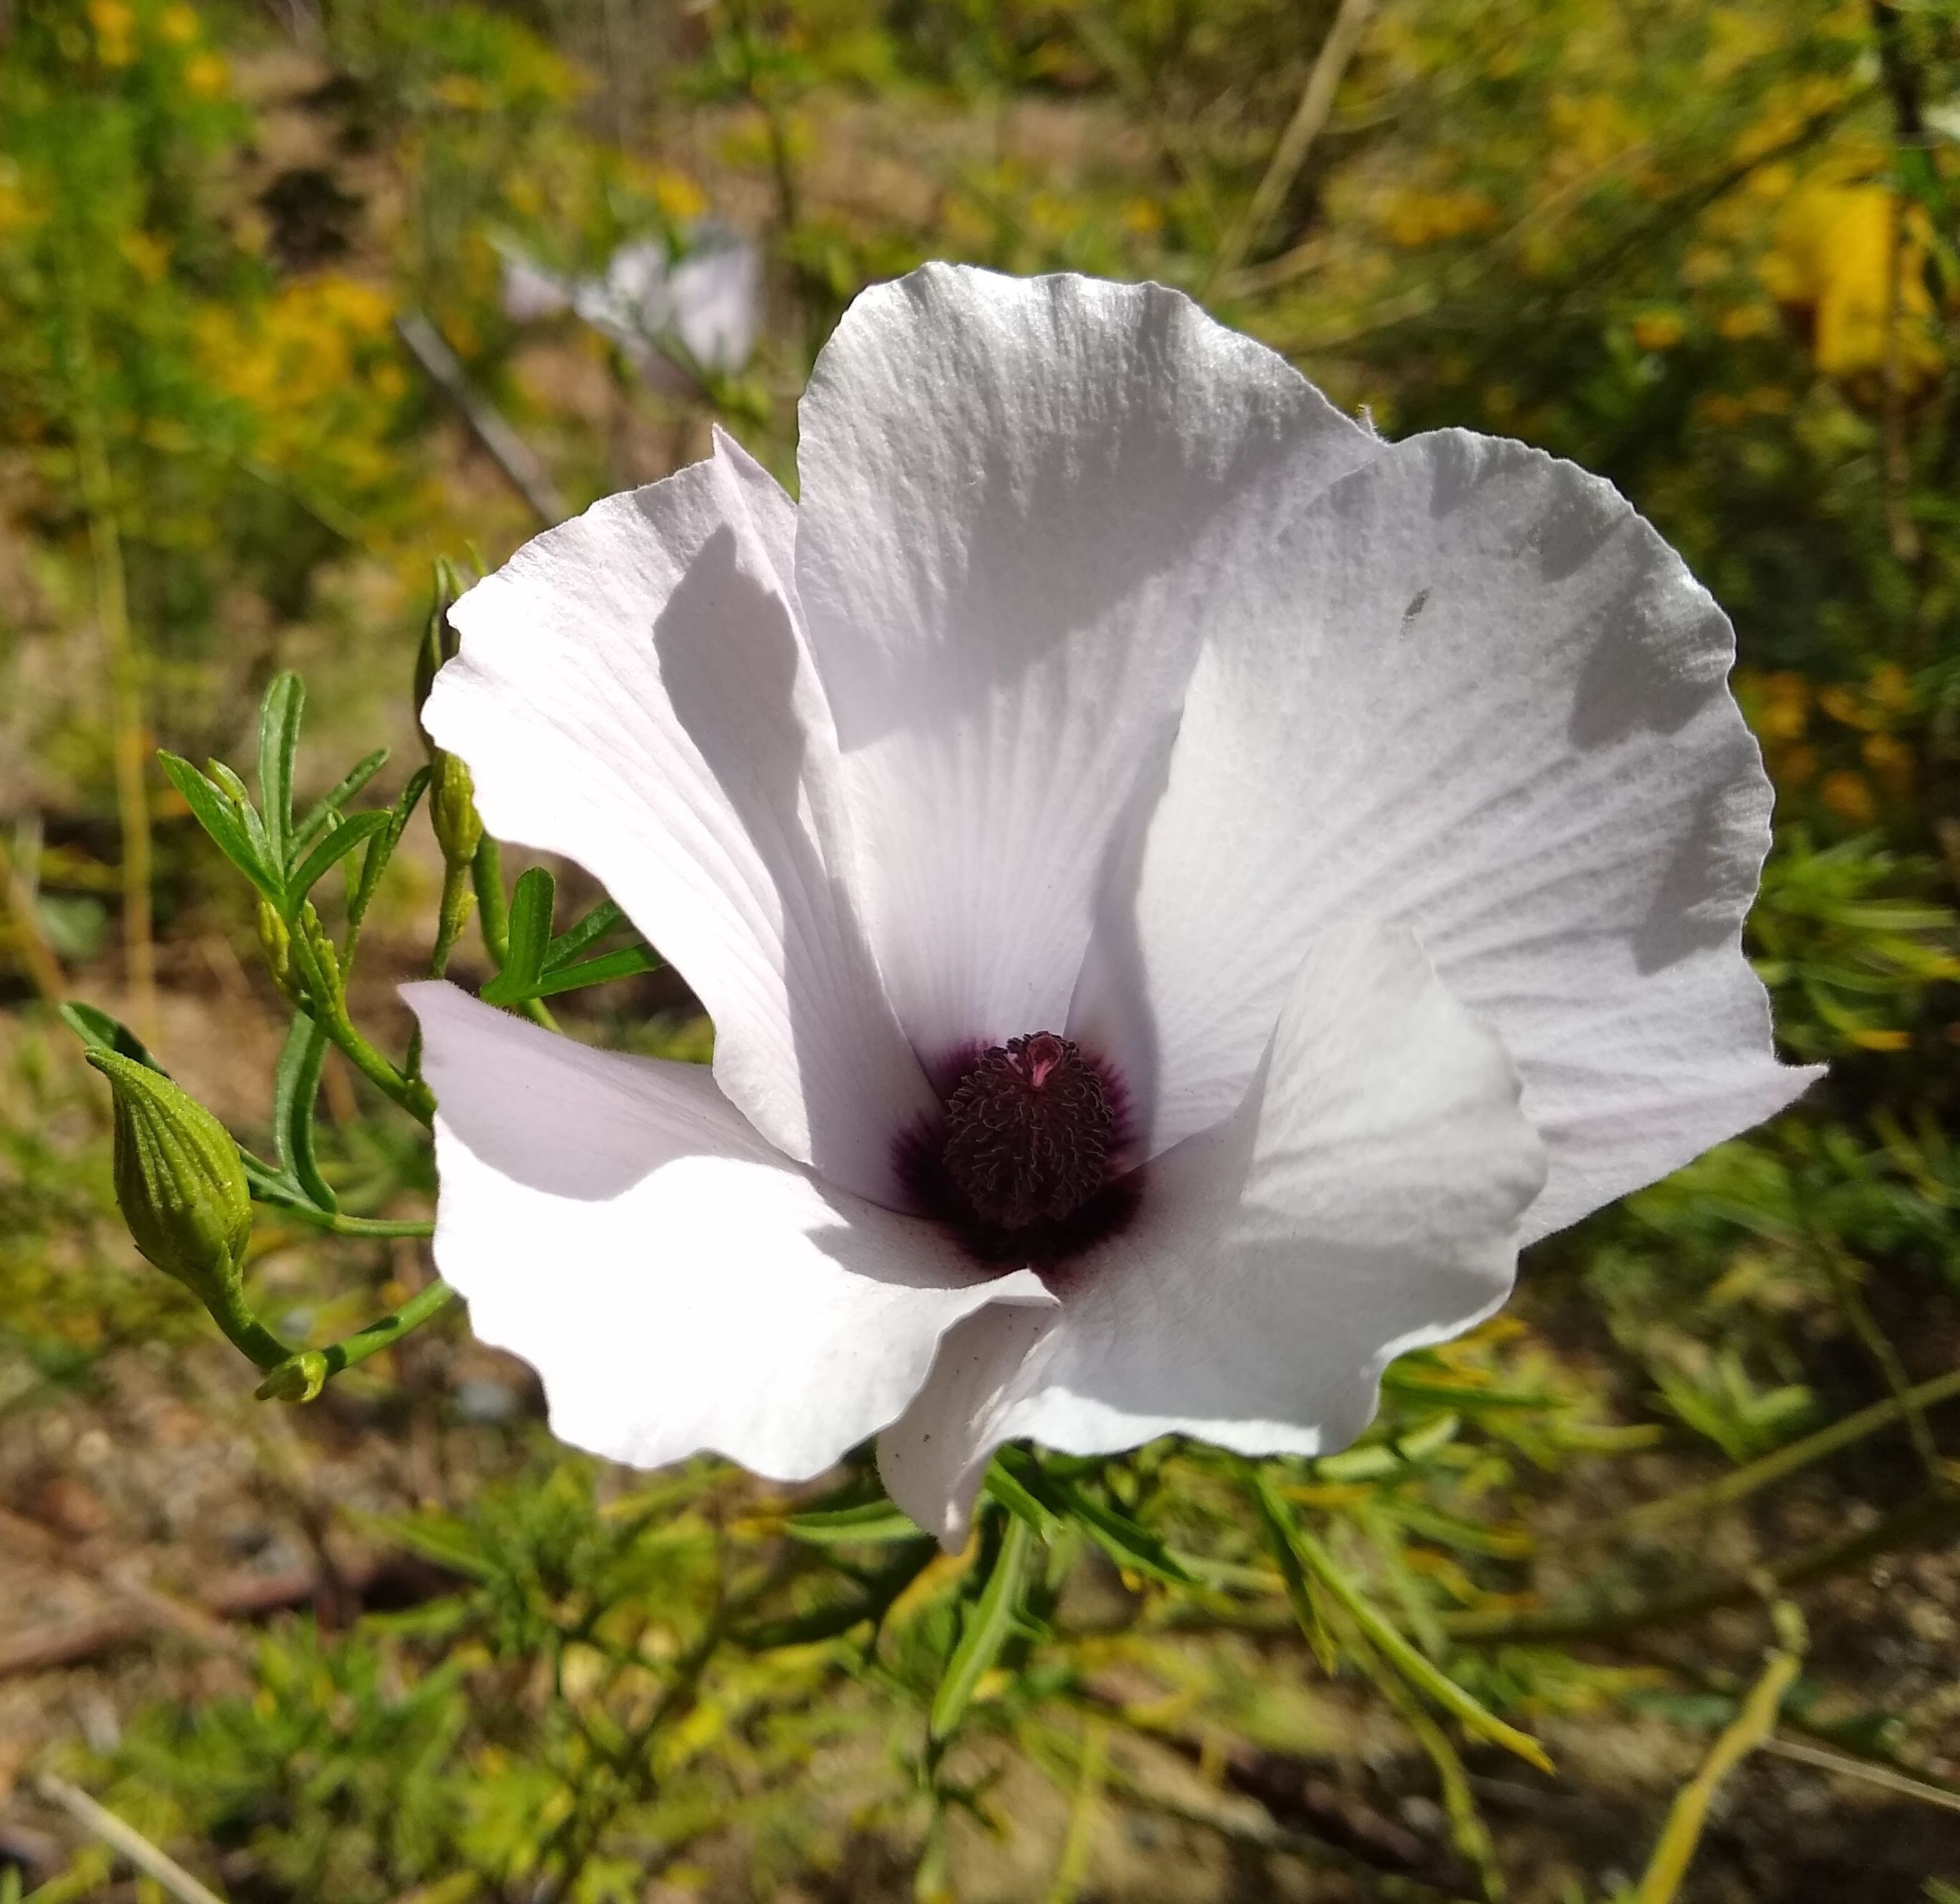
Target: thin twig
x,y
125,1838
1878,1345
1930,1517
1309,119
1743,1482
508,449
1804,1753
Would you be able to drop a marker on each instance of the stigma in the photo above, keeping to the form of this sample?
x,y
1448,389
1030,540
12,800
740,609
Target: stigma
x,y
1029,1131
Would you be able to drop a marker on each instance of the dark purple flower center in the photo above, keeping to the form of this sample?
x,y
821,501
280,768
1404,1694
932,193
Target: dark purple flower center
x,y
1027,1133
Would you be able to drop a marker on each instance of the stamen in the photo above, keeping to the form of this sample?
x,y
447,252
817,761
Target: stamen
x,y
1027,1133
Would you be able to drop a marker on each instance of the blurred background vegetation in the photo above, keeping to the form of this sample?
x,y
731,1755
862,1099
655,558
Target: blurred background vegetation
x,y
260,366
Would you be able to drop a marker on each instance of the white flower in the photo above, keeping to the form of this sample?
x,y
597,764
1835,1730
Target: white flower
x,y
704,308
1358,834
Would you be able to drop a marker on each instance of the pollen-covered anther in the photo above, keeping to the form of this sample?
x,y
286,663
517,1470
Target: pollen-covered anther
x,y
1028,1132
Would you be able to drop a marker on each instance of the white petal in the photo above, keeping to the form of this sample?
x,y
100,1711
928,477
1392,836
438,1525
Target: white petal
x,y
1007,487
1361,1201
1482,695
531,291
717,298
615,1222
633,693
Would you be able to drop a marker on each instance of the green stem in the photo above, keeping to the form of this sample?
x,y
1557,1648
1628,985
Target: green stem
x,y
244,1330
493,906
1929,1517
300,1377
451,918
1283,1532
1750,1728
411,1094
1886,1357
338,1223
326,1003
1744,1481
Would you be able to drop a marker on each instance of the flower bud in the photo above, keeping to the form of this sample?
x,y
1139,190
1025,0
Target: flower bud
x,y
275,941
322,964
437,645
178,1180
452,810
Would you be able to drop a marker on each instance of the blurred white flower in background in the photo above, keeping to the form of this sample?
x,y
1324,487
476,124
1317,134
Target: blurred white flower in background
x,y
1185,889
671,316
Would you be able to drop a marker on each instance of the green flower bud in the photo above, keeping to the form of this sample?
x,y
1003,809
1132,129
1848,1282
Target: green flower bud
x,y
437,645
452,810
178,1180
275,941
325,961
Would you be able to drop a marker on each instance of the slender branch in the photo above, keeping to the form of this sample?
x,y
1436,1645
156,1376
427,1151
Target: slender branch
x,y
1743,1482
125,1838
1929,1517
1802,1753
508,449
1878,1345
1309,119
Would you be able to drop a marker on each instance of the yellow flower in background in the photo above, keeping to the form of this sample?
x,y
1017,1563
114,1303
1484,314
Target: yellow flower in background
x,y
461,91
178,25
114,21
1415,217
1830,265
1888,761
208,75
1848,796
317,367
677,194
1659,329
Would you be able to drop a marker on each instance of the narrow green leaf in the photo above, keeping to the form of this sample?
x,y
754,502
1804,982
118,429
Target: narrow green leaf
x,y
874,1523
279,741
220,819
99,1032
1287,1536
594,926
530,925
991,1622
295,1092
629,962
1001,1485
381,848
1122,1540
443,1539
323,811
240,797
330,851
